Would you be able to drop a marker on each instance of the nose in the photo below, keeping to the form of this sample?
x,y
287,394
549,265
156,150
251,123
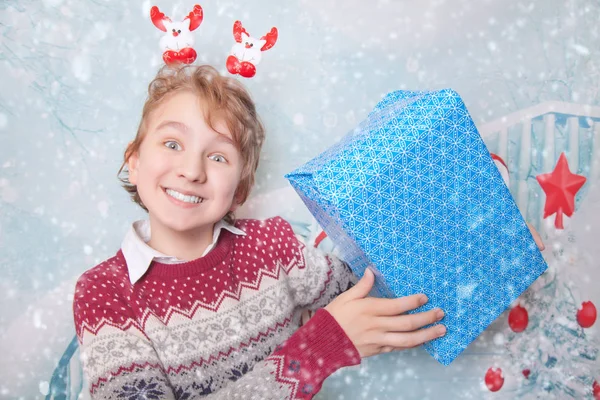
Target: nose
x,y
193,169
175,34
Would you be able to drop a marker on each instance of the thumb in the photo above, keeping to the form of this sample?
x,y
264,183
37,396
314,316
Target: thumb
x,y
364,285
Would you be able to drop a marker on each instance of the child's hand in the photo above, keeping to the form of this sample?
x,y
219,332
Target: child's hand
x,y
536,237
379,325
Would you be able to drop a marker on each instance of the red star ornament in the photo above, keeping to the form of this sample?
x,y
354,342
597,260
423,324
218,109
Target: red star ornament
x,y
560,187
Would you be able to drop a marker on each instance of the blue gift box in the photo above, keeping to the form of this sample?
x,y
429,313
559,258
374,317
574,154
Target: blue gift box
x,y
413,192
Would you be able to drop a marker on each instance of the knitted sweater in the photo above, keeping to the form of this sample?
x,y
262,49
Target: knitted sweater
x,y
224,326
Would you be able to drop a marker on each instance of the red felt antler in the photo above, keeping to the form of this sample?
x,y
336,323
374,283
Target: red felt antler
x,y
271,38
238,29
158,18
195,16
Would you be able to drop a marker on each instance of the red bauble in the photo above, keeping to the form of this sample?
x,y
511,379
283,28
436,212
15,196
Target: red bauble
x,y
560,187
187,55
526,373
518,319
184,56
586,316
596,390
233,65
494,379
247,70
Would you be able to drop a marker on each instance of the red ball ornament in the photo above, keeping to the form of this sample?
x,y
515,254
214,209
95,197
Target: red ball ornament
x,y
586,316
518,319
494,379
596,390
526,373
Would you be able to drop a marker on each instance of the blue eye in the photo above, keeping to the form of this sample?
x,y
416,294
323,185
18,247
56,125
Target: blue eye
x,y
173,145
218,158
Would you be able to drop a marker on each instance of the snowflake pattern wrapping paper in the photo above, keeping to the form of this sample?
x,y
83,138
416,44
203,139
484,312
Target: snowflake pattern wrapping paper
x,y
413,192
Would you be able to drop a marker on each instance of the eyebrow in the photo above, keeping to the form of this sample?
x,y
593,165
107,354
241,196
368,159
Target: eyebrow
x,y
224,138
174,124
180,126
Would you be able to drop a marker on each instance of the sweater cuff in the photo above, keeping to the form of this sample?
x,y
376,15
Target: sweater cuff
x,y
313,353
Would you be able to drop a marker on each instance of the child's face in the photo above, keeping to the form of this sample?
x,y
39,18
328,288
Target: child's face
x,y
186,174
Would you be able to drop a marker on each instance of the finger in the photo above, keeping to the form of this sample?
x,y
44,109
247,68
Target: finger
x,y
362,287
409,322
536,237
389,307
406,340
387,349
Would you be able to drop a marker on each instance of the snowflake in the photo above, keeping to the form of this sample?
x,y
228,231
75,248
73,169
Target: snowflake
x,y
142,389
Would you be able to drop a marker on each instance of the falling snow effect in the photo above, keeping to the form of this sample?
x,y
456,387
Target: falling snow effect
x,y
74,76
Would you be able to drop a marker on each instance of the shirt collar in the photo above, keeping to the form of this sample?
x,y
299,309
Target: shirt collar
x,y
138,255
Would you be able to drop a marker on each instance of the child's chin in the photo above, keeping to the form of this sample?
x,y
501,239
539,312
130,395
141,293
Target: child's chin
x,y
187,226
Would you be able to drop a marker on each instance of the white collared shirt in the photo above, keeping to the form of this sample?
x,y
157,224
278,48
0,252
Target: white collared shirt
x,y
138,255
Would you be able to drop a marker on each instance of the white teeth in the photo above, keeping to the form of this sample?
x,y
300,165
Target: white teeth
x,y
183,197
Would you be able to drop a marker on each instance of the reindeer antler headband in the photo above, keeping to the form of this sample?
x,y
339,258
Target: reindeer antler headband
x,y
178,40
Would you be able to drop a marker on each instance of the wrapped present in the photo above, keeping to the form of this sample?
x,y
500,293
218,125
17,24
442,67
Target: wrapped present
x,y
413,192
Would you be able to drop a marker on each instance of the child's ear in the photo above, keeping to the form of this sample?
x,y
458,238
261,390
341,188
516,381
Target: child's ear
x,y
132,167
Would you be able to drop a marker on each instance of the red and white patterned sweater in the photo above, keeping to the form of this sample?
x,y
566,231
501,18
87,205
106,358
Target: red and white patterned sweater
x,y
224,326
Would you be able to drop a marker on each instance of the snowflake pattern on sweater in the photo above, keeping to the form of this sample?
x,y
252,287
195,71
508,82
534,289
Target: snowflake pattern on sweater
x,y
224,326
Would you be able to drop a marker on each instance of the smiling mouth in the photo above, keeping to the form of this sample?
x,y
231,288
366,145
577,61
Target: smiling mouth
x,y
185,198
